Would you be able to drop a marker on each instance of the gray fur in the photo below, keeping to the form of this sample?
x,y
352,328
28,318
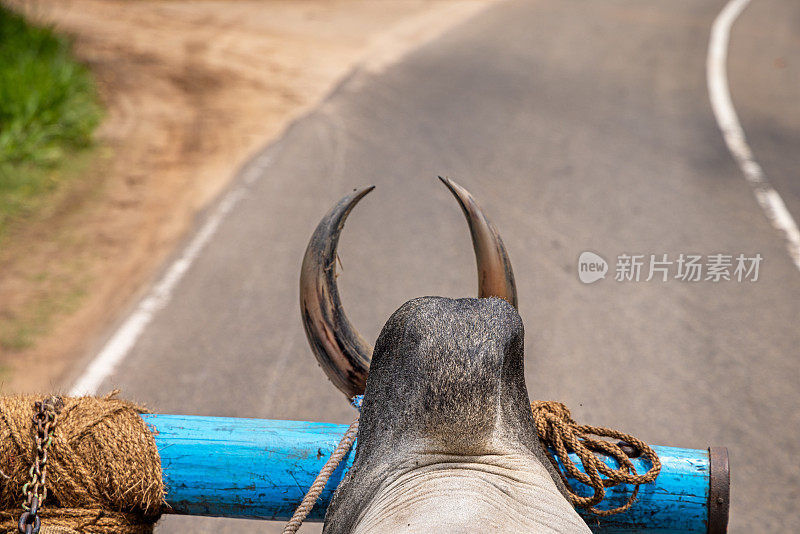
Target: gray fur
x,y
446,381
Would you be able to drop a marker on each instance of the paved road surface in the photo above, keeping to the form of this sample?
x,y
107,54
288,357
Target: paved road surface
x,y
579,126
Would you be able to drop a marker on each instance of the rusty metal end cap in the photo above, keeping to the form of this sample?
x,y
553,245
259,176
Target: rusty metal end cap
x,y
719,490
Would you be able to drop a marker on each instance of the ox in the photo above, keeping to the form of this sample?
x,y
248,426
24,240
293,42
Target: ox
x,y
446,441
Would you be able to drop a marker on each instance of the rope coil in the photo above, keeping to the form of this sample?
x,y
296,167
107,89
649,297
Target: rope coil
x,y
557,429
103,468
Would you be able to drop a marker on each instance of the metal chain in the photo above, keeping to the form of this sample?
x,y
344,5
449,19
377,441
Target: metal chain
x,y
35,491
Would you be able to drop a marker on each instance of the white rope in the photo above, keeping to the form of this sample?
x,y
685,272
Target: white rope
x,y
316,488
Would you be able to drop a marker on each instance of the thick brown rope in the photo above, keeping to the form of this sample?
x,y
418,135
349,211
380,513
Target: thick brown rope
x,y
316,488
558,430
104,472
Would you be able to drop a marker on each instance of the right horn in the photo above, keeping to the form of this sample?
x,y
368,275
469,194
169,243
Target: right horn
x,y
495,276
340,350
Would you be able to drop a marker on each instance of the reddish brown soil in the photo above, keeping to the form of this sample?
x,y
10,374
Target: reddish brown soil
x,y
191,90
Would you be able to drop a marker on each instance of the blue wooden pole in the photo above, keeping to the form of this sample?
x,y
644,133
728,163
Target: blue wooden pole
x,y
256,468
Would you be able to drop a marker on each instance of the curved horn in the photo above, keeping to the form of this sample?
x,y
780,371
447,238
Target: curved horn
x,y
340,350
495,276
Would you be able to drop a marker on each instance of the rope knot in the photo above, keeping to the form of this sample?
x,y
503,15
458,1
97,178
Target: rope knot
x,y
552,419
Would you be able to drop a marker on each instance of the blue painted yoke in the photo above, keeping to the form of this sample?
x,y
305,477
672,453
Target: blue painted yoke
x,y
258,468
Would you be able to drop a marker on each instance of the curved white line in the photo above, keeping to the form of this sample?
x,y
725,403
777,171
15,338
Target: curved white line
x,y
126,336
719,93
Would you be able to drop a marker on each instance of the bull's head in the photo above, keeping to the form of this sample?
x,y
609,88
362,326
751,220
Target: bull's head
x,y
341,351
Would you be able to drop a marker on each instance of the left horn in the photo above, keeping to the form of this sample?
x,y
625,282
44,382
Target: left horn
x,y
340,350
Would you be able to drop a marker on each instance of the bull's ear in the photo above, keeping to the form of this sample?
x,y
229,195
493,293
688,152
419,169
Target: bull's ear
x,y
341,351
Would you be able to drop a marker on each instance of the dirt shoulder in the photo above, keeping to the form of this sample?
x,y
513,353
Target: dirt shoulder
x,y
191,90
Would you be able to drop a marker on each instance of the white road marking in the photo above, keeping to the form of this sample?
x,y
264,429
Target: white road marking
x,y
719,93
123,340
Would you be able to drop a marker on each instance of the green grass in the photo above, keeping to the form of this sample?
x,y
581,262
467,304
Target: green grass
x,y
48,111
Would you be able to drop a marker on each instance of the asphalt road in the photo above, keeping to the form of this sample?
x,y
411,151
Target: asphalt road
x,y
578,126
